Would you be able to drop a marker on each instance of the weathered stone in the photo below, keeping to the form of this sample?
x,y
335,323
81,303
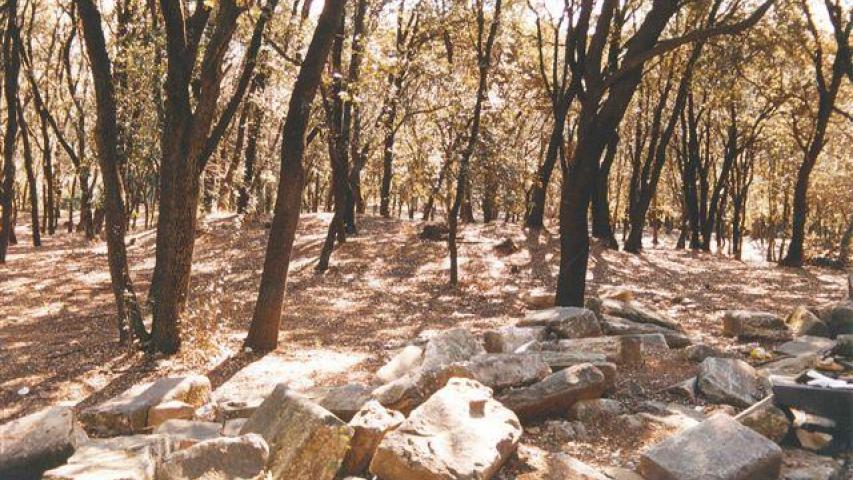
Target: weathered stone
x,y
228,409
634,349
451,346
805,345
609,346
800,464
243,457
562,360
719,448
637,313
565,431
171,410
565,322
813,440
504,370
32,444
844,345
840,321
556,393
560,466
306,441
803,322
232,427
188,432
685,388
790,365
409,391
730,381
619,473
370,425
133,457
405,361
510,339
539,298
343,401
594,409
748,325
697,353
766,419
128,413
622,326
459,433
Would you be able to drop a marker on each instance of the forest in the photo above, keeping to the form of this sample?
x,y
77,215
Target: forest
x,y
300,191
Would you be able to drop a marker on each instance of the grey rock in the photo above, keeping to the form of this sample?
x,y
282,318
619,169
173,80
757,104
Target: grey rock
x,y
188,432
609,346
40,441
409,391
504,370
697,353
730,381
370,425
133,457
803,322
509,339
803,465
844,345
405,361
231,428
804,345
450,346
767,419
790,366
556,393
565,322
596,408
561,466
748,325
637,313
243,457
686,388
344,401
719,448
233,408
840,319
622,326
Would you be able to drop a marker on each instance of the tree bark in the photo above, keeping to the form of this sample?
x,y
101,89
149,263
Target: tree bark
x,y
11,67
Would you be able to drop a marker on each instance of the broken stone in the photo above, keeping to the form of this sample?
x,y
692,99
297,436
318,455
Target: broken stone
x,y
510,339
634,348
409,391
594,409
686,389
767,419
449,346
407,360
840,320
565,431
791,365
188,432
637,313
560,466
609,346
343,401
243,457
427,445
622,326
503,370
748,325
803,322
730,381
800,464
306,441
232,427
229,409
173,409
556,393
40,441
697,353
719,448
133,457
804,345
128,413
844,345
619,473
565,322
370,425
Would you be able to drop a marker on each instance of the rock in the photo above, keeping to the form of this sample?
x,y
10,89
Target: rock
x,y
560,466
132,457
306,441
719,448
343,401
434,231
40,441
803,322
562,360
844,345
509,339
805,345
790,366
609,346
840,321
631,424
686,389
730,381
407,360
622,326
637,313
749,325
767,419
242,457
799,464
128,413
634,349
619,473
409,391
565,431
594,409
697,353
813,440
370,425
232,427
565,322
451,346
507,246
173,409
539,298
461,432
556,393
188,432
503,370
228,409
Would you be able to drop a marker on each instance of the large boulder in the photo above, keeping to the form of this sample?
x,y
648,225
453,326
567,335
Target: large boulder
x,y
803,322
636,313
370,425
242,457
40,441
405,361
511,339
343,401
565,322
133,457
556,393
128,413
504,370
730,381
460,433
749,325
767,419
840,319
719,448
450,346
409,391
306,441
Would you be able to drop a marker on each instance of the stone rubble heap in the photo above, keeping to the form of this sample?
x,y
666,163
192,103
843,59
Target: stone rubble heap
x,y
454,407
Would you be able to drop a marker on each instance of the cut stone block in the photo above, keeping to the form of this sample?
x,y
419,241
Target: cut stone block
x,y
730,381
449,346
748,325
510,339
565,322
504,370
133,457
409,391
343,401
171,410
233,458
188,432
370,425
40,441
556,393
407,360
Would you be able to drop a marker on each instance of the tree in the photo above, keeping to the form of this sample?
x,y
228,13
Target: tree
x,y
11,67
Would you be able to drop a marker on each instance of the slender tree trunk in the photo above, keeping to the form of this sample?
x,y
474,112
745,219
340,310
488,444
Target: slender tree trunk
x,y
601,226
31,178
11,67
539,189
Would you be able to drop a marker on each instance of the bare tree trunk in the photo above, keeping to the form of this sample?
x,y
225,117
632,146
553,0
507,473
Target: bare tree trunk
x,y
11,67
31,178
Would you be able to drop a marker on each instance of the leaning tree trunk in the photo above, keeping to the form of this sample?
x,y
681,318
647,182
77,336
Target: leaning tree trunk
x,y
539,189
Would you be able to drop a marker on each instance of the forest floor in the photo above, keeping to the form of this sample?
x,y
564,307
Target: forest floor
x,y
385,287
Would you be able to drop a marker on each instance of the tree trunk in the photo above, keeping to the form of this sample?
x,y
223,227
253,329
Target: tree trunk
x,y
31,178
539,189
11,67
601,226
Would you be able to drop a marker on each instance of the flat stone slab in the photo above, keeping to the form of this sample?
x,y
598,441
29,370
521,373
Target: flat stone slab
x,y
450,346
556,393
344,401
565,322
40,441
622,326
804,345
133,457
510,339
233,458
189,432
719,448
505,370
749,325
637,313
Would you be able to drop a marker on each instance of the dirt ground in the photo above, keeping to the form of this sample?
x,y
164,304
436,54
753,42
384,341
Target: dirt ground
x,y
385,286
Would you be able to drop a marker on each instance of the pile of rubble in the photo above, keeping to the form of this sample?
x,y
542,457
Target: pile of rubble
x,y
454,406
